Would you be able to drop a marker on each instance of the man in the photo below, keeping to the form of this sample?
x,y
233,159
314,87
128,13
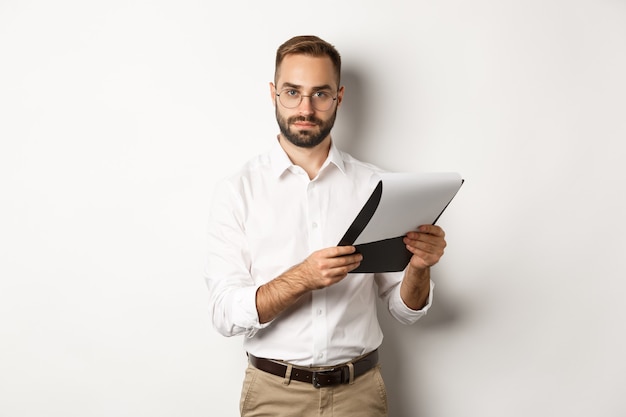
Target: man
x,y
274,271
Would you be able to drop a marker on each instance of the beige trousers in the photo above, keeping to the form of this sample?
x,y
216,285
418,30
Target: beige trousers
x,y
267,395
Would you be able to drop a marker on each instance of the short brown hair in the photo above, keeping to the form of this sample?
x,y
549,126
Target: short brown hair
x,y
308,45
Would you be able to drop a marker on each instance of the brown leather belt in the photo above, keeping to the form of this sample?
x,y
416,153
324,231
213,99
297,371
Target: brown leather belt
x,y
339,374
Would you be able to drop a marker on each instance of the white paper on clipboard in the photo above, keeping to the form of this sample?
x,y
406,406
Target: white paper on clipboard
x,y
409,200
399,203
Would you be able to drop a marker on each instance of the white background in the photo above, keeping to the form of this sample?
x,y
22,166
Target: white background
x,y
118,117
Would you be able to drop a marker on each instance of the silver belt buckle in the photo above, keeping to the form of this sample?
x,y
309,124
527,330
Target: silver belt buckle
x,y
316,382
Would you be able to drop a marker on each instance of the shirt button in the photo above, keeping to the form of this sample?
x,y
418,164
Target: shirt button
x,y
319,312
320,355
314,225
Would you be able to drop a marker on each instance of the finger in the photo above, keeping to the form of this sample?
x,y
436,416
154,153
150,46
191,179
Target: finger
x,y
425,251
424,258
334,265
337,251
345,260
421,247
342,270
431,229
427,243
353,266
422,237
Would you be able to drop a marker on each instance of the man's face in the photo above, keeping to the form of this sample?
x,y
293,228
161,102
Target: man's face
x,y
304,125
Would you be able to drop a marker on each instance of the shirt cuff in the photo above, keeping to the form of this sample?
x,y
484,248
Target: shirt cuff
x,y
402,312
244,312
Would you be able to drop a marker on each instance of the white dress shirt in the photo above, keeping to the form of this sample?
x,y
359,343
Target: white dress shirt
x,y
270,216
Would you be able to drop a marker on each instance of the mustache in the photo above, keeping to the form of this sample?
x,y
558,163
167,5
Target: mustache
x,y
308,119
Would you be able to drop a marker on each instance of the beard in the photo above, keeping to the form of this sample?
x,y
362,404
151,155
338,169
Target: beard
x,y
306,138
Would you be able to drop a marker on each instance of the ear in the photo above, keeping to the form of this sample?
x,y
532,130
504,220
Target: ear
x,y
340,95
273,93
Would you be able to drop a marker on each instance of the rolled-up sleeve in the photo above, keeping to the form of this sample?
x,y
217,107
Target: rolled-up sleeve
x,y
389,290
232,291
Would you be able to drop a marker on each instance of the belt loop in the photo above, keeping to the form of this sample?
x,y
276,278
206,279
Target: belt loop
x,y
351,368
287,375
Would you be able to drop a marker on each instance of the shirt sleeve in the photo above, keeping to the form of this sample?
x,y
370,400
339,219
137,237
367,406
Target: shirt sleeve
x,y
389,290
232,290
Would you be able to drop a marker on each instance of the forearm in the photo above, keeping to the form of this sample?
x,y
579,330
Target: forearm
x,y
321,269
415,287
277,295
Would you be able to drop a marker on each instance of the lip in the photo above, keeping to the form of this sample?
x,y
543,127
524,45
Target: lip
x,y
304,125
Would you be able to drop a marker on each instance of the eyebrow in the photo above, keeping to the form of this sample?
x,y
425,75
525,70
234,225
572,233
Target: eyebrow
x,y
299,87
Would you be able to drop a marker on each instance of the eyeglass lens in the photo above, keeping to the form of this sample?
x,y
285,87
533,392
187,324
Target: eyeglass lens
x,y
320,100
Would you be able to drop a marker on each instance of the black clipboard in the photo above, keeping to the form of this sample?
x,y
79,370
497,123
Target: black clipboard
x,y
389,254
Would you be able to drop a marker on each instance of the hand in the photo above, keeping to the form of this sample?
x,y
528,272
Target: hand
x,y
328,266
321,269
427,245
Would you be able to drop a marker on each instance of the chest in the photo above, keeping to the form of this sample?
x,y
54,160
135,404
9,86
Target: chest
x,y
287,220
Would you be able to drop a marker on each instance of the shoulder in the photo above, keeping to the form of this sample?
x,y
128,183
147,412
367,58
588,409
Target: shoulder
x,y
245,181
254,167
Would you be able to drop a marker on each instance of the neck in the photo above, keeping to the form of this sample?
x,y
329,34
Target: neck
x,y
309,159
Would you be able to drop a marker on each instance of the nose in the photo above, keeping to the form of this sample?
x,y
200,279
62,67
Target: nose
x,y
306,105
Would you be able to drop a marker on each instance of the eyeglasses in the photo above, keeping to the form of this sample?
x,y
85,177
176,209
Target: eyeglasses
x,y
321,100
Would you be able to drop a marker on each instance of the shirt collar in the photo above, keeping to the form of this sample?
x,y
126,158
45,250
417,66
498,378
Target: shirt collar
x,y
335,157
280,162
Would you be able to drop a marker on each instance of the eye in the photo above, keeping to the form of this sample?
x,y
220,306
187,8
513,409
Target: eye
x,y
291,93
322,95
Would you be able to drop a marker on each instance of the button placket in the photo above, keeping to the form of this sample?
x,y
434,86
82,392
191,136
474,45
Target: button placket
x,y
318,307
